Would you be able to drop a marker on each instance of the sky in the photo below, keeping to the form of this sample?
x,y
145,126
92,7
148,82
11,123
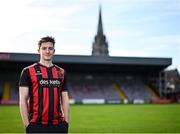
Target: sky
x,y
133,28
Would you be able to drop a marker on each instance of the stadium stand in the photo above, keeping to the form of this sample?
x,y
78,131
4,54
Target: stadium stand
x,y
132,88
91,87
9,88
120,91
152,91
131,85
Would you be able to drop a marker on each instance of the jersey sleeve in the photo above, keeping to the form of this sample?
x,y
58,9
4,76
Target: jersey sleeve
x,y
64,86
24,78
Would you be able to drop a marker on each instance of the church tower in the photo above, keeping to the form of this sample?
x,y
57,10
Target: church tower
x,y
100,45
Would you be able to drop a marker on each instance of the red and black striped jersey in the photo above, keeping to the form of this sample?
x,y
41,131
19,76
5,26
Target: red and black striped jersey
x,y
46,85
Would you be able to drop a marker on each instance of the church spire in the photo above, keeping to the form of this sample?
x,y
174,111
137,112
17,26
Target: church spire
x,y
100,45
100,26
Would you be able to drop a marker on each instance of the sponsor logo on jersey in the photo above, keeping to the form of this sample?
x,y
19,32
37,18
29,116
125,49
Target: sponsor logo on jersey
x,y
50,82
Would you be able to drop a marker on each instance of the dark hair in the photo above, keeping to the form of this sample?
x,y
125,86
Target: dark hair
x,y
46,39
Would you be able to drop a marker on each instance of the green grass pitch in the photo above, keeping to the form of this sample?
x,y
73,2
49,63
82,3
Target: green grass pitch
x,y
118,118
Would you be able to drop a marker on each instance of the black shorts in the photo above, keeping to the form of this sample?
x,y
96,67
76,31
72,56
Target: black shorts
x,y
37,128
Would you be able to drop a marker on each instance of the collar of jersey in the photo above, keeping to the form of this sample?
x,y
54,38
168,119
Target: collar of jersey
x,y
45,66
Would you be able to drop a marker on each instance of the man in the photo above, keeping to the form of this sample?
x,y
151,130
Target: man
x,y
44,102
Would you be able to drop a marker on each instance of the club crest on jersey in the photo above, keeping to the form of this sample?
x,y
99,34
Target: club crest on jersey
x,y
59,74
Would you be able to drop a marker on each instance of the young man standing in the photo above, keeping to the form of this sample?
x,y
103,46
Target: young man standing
x,y
44,102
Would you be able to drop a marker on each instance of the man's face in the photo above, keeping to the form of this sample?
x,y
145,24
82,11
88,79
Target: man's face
x,y
46,51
